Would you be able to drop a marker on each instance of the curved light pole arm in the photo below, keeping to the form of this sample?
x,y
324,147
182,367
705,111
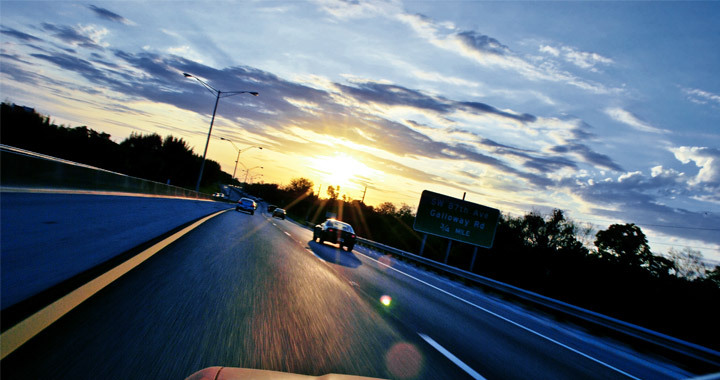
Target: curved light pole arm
x,y
247,171
238,155
202,82
218,94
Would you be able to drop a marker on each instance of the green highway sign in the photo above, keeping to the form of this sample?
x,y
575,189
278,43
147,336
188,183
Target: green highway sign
x,y
456,219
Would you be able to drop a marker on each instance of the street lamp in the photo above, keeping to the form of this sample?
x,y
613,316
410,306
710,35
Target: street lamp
x,y
247,171
239,151
218,94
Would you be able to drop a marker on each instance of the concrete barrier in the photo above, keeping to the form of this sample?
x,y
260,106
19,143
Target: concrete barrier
x,y
58,219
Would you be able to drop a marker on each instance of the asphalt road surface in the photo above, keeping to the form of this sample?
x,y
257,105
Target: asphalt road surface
x,y
256,292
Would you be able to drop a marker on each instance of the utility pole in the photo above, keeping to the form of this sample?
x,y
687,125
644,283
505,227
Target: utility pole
x,y
363,198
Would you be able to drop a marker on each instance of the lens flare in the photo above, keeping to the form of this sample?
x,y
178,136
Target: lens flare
x,y
385,300
404,361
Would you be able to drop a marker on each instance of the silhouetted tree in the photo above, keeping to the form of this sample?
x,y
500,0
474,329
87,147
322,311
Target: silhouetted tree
x,y
300,186
688,263
332,192
625,243
145,156
713,276
386,208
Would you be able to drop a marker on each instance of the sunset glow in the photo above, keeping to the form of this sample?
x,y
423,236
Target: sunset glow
x,y
342,170
522,106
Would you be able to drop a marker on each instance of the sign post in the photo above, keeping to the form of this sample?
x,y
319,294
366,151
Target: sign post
x,y
456,219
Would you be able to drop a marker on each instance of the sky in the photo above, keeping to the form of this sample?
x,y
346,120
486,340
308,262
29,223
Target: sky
x,y
609,111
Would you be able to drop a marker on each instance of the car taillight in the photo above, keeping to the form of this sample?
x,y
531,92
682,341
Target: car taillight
x,y
330,230
352,235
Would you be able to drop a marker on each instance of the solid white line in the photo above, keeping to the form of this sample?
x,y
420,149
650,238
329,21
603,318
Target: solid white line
x,y
452,357
286,233
17,335
507,320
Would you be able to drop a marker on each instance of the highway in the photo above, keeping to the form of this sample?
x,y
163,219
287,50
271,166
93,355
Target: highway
x,y
257,292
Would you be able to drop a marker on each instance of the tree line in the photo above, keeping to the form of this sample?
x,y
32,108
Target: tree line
x,y
167,160
615,274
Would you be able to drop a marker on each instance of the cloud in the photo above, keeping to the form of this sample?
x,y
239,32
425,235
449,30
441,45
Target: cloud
x,y
353,9
390,94
157,77
440,78
80,66
707,159
484,108
481,43
19,35
395,95
702,97
488,51
588,155
625,117
108,15
584,60
636,198
87,37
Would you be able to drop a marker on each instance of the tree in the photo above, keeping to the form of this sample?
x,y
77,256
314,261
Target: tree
x,y
624,243
713,275
333,192
405,211
386,208
554,233
688,263
300,186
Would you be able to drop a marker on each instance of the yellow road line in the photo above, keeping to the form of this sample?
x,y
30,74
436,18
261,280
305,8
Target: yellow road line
x,y
19,334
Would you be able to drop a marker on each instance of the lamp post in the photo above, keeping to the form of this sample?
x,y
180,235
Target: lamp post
x,y
239,151
218,94
247,171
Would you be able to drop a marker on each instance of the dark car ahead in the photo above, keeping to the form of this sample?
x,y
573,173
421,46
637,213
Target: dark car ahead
x,y
335,231
279,213
247,205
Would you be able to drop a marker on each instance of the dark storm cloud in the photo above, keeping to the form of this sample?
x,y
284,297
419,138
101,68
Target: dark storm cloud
x,y
70,35
482,43
108,15
19,35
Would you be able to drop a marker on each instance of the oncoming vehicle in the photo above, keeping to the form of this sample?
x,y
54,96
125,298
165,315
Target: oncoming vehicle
x,y
279,213
247,205
335,231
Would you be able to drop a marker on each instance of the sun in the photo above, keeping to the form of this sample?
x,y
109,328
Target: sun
x,y
340,169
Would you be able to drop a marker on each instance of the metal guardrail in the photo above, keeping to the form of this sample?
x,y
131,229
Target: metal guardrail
x,y
25,169
675,345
